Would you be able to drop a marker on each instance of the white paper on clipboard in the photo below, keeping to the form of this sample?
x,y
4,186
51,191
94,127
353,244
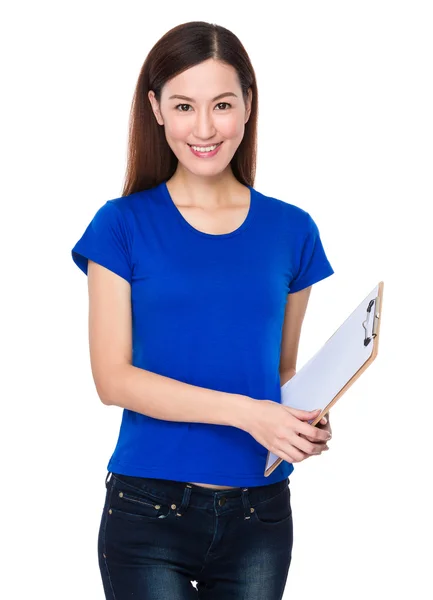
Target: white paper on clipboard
x,y
317,383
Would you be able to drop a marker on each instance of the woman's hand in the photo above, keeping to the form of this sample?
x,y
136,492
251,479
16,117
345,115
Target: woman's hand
x,y
284,430
324,424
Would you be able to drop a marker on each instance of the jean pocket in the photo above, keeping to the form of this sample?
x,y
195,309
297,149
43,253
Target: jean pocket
x,y
274,511
136,504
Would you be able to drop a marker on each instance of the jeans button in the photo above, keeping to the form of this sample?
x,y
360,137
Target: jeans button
x,y
222,501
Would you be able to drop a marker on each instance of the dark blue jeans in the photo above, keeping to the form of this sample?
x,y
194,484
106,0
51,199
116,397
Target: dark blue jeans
x,y
157,536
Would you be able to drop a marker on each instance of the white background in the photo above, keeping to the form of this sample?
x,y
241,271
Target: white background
x,y
345,132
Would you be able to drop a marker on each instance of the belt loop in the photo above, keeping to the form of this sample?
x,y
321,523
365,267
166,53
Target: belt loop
x,y
246,502
185,500
107,479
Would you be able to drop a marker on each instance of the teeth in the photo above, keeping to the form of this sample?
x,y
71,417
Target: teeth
x,y
206,149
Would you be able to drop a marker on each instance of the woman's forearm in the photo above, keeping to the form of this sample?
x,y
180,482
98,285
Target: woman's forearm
x,y
165,398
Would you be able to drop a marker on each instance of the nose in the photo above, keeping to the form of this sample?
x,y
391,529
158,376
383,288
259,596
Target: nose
x,y
204,127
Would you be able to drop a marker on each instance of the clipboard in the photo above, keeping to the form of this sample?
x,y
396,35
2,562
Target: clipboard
x,y
322,381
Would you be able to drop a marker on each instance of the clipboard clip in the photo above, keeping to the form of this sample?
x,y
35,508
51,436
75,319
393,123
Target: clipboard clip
x,y
376,317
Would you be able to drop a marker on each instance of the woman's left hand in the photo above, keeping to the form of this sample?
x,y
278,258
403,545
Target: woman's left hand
x,y
325,424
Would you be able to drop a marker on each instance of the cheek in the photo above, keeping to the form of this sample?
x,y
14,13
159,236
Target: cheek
x,y
177,129
231,127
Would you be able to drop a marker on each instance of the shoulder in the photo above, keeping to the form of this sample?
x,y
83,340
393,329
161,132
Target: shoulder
x,y
291,214
128,204
128,209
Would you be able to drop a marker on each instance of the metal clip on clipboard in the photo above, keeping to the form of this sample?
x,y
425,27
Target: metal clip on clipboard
x,y
376,302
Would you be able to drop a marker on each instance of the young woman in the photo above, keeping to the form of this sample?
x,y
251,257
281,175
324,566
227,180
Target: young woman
x,y
198,286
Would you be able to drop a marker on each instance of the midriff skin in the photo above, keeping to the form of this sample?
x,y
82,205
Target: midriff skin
x,y
214,487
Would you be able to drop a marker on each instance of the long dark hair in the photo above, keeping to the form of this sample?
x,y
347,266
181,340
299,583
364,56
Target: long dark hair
x,y
150,159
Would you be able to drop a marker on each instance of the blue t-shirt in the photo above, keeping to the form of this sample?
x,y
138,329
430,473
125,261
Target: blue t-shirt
x,y
208,310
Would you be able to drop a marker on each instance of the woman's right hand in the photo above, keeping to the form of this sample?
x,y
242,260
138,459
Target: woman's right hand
x,y
279,429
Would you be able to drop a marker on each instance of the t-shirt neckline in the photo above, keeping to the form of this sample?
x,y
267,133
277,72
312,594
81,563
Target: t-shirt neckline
x,y
187,224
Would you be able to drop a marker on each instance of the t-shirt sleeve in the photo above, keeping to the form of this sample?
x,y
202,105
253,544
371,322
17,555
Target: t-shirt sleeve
x,y
107,241
314,264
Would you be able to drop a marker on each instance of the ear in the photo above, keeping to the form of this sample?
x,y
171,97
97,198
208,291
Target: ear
x,y
155,107
248,104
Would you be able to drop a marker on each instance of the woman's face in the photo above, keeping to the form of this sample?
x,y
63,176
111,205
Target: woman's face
x,y
200,118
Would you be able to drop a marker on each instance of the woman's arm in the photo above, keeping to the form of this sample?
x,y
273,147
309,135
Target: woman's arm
x,y
120,383
296,307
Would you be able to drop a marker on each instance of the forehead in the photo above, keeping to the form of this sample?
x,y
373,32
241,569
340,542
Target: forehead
x,y
203,81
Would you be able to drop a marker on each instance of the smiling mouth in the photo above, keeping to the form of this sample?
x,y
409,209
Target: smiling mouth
x,y
208,146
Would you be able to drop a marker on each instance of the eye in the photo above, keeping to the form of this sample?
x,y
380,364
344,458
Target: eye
x,y
219,104
182,105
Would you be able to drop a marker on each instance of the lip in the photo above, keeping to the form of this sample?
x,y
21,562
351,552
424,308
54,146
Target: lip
x,y
206,155
205,145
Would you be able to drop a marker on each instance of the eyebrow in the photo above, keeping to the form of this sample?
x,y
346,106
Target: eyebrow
x,y
213,99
